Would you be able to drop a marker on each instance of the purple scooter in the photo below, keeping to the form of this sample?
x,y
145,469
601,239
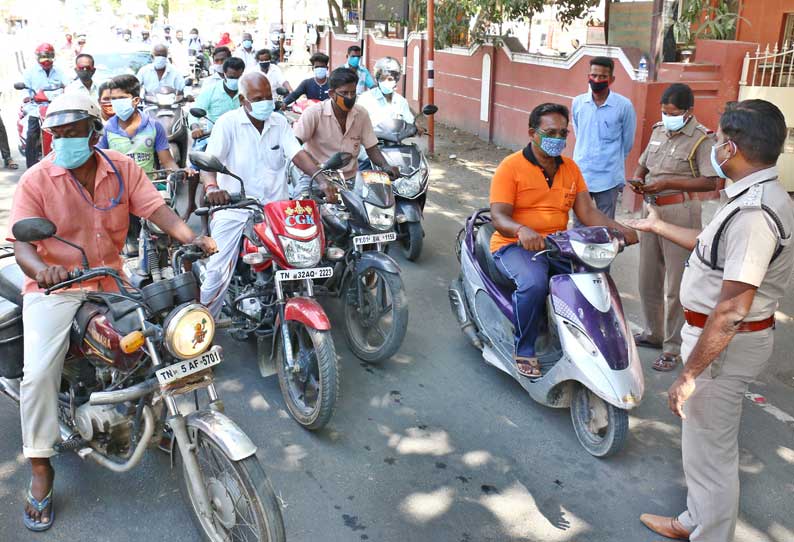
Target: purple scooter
x,y
586,350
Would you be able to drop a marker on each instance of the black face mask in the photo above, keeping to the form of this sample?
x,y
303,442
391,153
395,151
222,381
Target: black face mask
x,y
265,66
85,76
598,86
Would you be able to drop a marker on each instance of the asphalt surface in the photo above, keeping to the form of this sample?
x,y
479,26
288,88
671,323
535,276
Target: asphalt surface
x,y
432,445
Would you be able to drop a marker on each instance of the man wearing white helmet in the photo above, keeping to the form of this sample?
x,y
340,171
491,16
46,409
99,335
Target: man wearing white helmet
x,y
383,102
88,194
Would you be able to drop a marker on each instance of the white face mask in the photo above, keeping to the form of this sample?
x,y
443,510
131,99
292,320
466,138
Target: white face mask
x,y
387,87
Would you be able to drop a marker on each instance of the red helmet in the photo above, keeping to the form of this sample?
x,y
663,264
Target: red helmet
x,y
44,49
45,54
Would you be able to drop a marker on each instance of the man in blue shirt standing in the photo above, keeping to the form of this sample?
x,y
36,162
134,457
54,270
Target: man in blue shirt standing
x,y
365,80
42,75
604,123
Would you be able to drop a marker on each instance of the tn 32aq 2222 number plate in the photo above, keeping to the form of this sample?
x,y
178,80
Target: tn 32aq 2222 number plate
x,y
304,274
180,370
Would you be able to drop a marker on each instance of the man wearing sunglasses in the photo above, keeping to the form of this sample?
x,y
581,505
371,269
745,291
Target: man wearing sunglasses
x,y
85,70
43,75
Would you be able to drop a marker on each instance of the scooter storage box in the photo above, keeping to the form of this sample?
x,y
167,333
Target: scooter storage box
x,y
11,344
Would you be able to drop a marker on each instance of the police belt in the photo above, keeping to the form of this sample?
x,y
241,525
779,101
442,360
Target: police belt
x,y
668,199
697,319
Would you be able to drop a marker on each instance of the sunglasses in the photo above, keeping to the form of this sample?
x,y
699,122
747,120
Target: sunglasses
x,y
47,56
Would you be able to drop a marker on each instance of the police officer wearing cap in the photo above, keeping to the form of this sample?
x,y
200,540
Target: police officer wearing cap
x,y
738,270
674,166
88,194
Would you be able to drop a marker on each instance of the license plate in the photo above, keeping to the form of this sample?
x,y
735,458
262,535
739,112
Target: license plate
x,y
372,239
304,274
180,370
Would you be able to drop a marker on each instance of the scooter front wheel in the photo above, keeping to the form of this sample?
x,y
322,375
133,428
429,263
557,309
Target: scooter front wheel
x,y
600,427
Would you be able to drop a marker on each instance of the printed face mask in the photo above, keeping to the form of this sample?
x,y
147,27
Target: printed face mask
x,y
553,146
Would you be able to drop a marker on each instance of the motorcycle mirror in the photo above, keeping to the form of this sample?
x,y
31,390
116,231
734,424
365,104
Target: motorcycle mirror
x,y
198,112
188,81
20,86
281,91
207,162
28,230
429,109
337,160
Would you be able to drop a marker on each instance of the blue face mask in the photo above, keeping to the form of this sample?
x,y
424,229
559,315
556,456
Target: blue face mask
x,y
673,123
232,84
320,73
353,61
72,152
387,87
716,164
262,110
247,44
160,62
552,146
123,108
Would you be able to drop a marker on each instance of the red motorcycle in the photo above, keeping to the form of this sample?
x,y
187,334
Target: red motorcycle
x,y
41,99
272,295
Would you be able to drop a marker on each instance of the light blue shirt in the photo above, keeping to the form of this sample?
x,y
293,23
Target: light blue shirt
x,y
150,82
215,101
604,137
365,80
36,78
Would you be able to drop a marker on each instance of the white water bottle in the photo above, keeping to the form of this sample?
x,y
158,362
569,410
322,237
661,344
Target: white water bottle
x,y
642,70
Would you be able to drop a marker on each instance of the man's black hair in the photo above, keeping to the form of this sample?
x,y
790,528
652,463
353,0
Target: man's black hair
x,y
353,49
103,87
322,58
233,63
757,127
84,55
679,95
127,83
264,52
222,49
192,30
546,109
340,77
604,61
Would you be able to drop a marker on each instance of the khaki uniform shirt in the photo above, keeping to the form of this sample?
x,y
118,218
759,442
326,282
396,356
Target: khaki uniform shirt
x,y
745,248
667,155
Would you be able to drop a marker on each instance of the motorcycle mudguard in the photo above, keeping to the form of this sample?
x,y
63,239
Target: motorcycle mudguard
x,y
410,209
308,312
377,260
226,434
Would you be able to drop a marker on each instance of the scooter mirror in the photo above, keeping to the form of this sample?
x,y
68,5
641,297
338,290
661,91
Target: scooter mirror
x,y
429,109
20,86
337,160
28,230
198,112
207,162
281,91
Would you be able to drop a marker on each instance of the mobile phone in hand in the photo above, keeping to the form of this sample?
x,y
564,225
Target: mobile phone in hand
x,y
637,183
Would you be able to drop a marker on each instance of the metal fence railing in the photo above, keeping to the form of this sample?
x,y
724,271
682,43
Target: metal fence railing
x,y
769,68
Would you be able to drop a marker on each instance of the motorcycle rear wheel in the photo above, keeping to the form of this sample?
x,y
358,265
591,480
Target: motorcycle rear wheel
x,y
229,483
412,241
384,301
600,427
319,381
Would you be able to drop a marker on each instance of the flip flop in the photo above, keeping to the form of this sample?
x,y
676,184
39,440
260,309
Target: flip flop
x,y
641,339
40,506
666,363
10,164
529,367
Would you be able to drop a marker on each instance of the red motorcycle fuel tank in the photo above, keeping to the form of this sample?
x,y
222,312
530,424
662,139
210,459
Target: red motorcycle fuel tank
x,y
298,220
101,341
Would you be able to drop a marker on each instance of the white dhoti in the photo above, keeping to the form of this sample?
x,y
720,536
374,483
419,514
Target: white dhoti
x,y
226,228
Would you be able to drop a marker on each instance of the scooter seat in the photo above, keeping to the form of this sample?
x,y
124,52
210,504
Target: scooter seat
x,y
11,281
485,258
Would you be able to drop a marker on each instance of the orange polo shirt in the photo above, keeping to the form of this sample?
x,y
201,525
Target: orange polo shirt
x,y
519,181
48,191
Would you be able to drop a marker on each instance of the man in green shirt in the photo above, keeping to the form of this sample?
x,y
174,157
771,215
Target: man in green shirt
x,y
220,98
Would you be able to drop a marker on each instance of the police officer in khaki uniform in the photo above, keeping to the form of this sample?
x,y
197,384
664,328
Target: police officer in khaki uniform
x,y
737,273
675,164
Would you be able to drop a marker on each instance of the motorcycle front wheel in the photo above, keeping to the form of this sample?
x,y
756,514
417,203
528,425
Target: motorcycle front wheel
x,y
310,389
244,506
600,427
375,324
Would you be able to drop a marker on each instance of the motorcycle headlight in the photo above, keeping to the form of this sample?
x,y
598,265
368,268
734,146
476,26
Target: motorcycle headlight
x,y
189,331
596,255
166,99
301,254
380,218
409,187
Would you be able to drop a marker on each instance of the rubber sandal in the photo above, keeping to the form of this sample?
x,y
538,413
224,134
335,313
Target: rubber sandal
x,y
641,339
529,367
10,164
666,363
40,506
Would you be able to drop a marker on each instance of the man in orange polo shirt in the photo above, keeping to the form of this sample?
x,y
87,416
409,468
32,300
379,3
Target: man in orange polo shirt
x,y
532,192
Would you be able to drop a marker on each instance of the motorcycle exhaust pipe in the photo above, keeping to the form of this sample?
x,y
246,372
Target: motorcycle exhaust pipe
x,y
133,393
11,388
137,454
458,306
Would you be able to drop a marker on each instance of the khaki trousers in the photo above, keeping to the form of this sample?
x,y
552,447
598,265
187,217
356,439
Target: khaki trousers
x,y
47,320
661,268
710,433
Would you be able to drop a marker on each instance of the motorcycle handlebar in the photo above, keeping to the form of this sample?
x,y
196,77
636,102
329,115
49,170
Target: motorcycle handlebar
x,y
81,275
236,201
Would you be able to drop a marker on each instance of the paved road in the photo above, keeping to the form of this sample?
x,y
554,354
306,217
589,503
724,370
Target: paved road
x,y
430,446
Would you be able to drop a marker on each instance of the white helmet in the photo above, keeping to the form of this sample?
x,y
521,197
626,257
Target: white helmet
x,y
388,66
72,107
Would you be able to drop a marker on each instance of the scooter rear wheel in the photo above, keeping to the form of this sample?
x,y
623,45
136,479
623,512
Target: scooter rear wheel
x,y
600,427
412,240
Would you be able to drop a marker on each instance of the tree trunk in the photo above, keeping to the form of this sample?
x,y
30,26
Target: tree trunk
x,y
335,14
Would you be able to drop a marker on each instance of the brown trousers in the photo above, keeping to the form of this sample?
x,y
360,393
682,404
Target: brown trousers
x,y
661,268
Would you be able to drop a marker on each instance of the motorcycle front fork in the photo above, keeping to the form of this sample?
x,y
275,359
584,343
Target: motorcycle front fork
x,y
282,303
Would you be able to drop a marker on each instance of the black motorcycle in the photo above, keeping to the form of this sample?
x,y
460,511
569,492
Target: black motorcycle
x,y
166,105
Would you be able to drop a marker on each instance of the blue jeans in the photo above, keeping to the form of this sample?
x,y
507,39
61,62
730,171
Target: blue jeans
x,y
532,286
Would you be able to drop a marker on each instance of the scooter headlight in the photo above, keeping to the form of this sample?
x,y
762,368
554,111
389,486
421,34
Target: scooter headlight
x,y
409,187
301,254
596,255
189,331
166,99
380,218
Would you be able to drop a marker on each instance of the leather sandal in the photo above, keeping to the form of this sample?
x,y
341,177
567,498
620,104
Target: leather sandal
x,y
529,367
10,164
642,339
665,526
666,362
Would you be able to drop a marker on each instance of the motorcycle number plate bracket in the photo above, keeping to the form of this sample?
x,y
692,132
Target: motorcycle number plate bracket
x,y
361,240
178,371
304,274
